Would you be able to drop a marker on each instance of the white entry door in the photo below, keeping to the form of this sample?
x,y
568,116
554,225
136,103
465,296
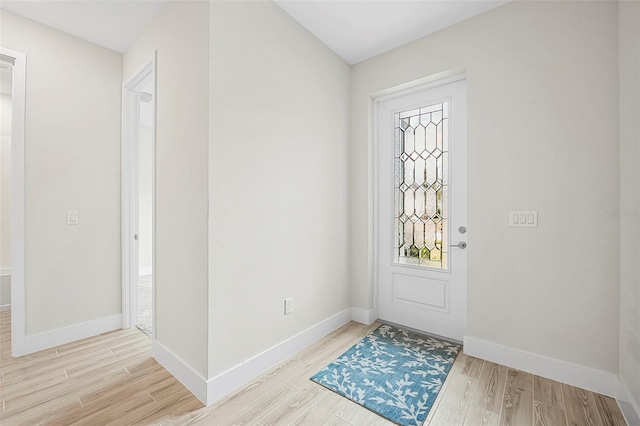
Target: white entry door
x,y
422,209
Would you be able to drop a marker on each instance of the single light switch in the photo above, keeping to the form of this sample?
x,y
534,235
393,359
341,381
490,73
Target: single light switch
x,y
514,218
73,218
530,219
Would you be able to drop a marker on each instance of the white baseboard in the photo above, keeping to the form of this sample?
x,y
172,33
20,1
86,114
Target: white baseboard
x,y
562,371
143,271
190,378
6,307
364,316
5,272
628,405
239,375
60,336
210,391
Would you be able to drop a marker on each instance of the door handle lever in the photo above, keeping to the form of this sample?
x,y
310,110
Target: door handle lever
x,y
461,245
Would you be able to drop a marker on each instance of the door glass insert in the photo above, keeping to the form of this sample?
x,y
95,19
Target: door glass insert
x,y
421,186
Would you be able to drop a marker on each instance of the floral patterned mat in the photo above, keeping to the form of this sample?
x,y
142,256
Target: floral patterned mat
x,y
395,373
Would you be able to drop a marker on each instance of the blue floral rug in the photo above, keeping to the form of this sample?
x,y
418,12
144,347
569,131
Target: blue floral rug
x,y
395,373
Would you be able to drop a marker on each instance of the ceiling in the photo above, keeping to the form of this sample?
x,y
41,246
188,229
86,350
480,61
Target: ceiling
x,y
355,30
359,30
113,24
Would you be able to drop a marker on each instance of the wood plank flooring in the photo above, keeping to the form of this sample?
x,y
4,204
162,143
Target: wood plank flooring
x,y
111,379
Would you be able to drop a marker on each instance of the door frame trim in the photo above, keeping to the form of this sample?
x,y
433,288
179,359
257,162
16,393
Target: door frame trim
x,y
18,124
429,82
129,152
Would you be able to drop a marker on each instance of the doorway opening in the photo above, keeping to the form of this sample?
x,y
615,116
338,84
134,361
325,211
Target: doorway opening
x,y
145,211
6,91
13,74
138,199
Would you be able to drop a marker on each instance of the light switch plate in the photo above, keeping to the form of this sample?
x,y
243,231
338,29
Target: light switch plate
x,y
73,217
523,218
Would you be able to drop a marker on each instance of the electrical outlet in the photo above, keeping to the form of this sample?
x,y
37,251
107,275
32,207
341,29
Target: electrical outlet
x,y
288,306
73,218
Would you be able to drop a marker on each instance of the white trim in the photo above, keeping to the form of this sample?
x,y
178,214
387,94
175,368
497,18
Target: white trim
x,y
210,391
60,336
425,83
129,149
364,316
630,408
591,379
17,199
147,270
6,307
190,378
239,375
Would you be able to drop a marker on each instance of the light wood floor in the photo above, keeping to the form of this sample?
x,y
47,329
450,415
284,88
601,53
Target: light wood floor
x,y
112,379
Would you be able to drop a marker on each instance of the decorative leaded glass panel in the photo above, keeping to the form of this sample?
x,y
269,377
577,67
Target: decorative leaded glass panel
x,y
421,186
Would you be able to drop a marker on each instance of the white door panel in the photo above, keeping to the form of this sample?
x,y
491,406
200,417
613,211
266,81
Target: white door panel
x,y
421,207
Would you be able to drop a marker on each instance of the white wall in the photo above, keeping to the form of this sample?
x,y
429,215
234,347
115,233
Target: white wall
x,y
72,162
277,180
629,21
5,195
542,135
180,34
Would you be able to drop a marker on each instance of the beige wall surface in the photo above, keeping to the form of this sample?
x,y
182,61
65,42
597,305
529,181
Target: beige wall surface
x,y
180,35
278,180
629,22
542,135
72,162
